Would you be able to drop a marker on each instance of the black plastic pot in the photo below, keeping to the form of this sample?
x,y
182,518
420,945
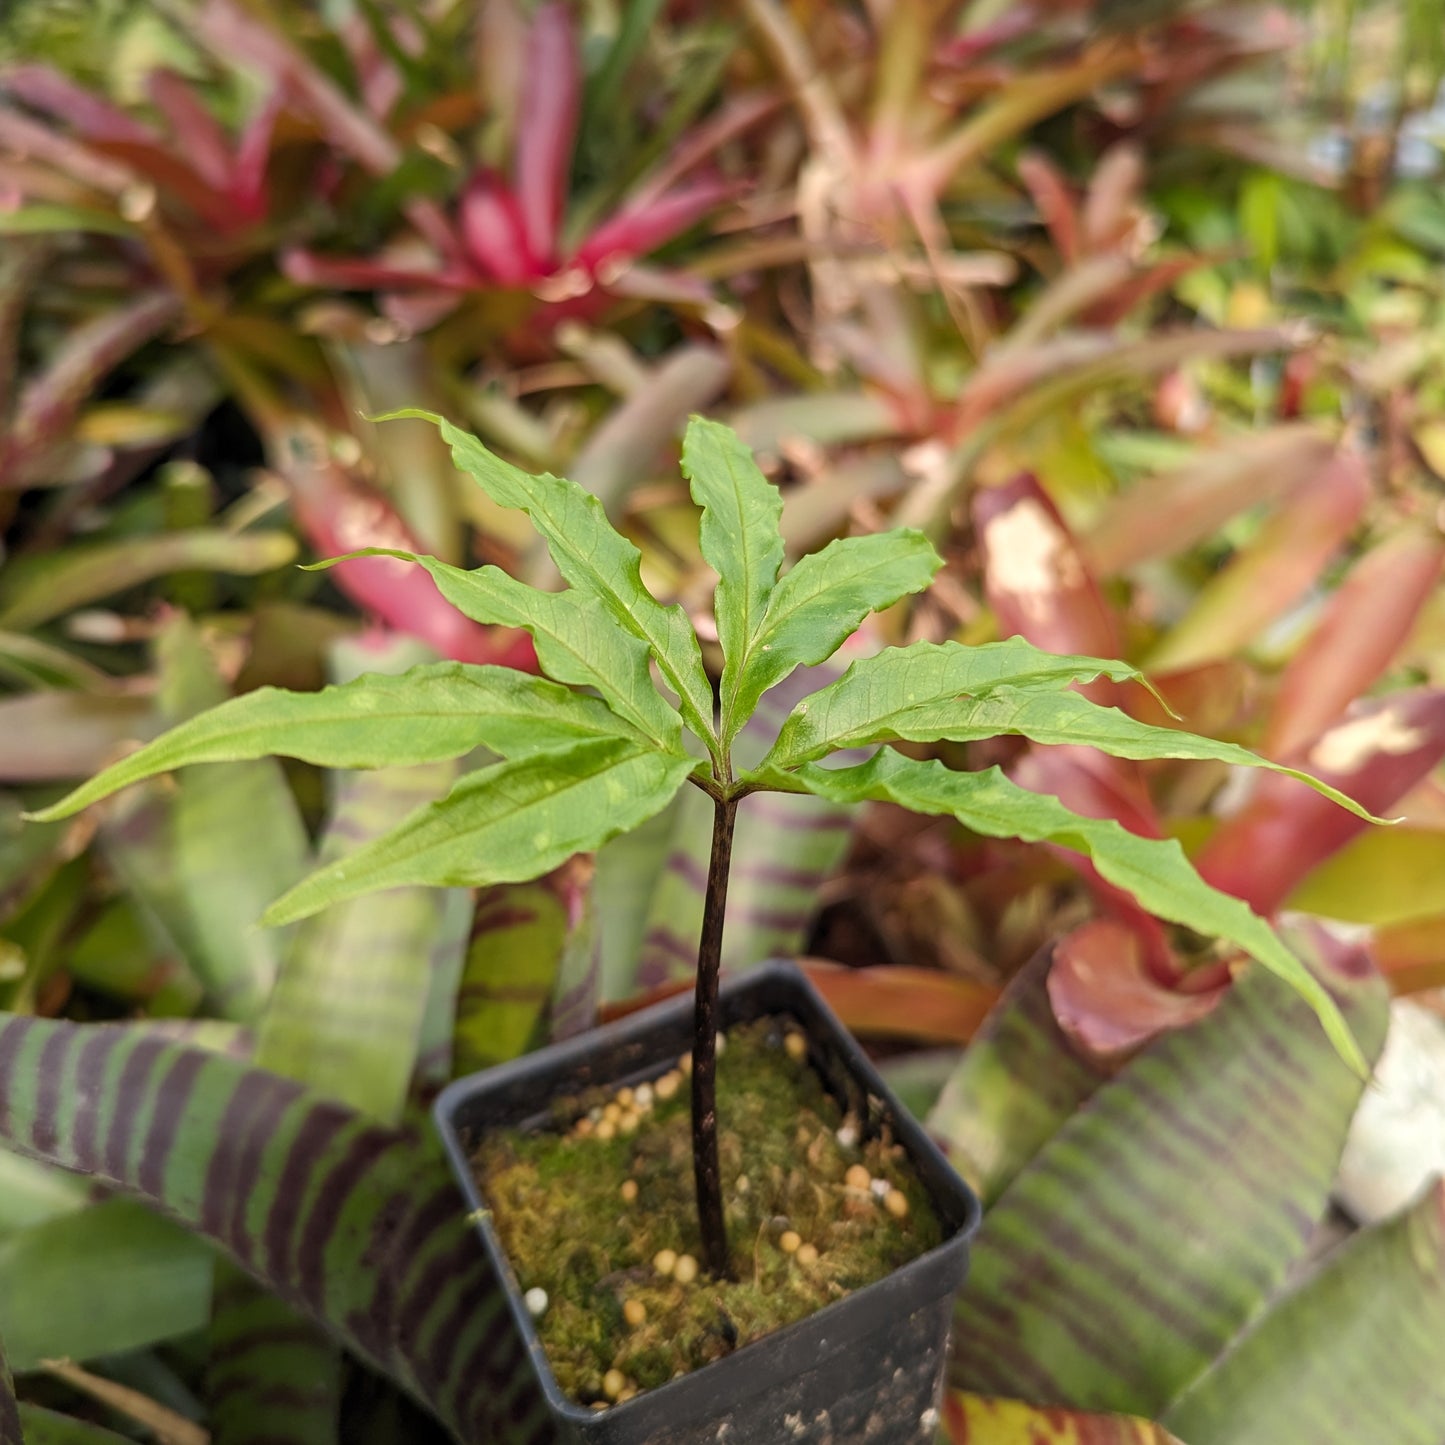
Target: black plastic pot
x,y
865,1369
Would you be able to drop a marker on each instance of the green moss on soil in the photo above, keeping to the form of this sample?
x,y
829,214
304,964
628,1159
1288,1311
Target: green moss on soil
x,y
558,1205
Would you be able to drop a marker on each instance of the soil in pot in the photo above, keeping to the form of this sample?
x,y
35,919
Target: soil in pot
x,y
598,1216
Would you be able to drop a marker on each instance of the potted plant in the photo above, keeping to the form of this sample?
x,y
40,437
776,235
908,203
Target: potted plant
x,y
580,766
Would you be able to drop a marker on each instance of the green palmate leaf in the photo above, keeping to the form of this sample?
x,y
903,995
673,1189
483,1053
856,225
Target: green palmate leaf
x,y
357,1225
739,535
1156,872
504,824
821,602
112,1278
873,710
433,712
598,562
1354,1354
900,683
576,642
1160,1217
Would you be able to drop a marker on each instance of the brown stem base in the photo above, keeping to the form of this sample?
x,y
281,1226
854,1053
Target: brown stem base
x,y
705,1167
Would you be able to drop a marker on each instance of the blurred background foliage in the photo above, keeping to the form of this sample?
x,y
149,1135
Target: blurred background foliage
x,y
1136,306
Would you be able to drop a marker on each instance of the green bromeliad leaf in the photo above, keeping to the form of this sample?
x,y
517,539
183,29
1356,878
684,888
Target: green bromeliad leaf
x,y
356,1225
576,643
820,603
504,824
156,1284
739,536
48,1427
597,561
1156,872
1353,1354
1159,1218
899,682
432,713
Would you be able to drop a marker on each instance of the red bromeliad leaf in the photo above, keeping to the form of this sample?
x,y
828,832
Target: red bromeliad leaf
x,y
1366,622
340,516
546,129
199,136
1172,512
247,185
494,231
308,268
924,1005
1376,754
1278,567
1106,997
1035,577
1053,197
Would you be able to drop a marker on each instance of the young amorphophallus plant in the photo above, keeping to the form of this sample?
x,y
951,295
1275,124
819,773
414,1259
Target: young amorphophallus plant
x,y
601,746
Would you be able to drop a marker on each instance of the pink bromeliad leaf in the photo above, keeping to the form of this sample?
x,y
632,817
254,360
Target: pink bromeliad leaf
x,y
638,229
494,231
546,129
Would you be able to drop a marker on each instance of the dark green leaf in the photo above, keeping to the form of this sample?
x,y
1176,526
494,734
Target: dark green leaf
x,y
1156,872
48,1427
504,824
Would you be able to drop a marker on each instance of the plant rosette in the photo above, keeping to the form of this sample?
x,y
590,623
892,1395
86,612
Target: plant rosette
x,y
600,745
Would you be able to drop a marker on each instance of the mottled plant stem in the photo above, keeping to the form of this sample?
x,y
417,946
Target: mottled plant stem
x,y
704,1046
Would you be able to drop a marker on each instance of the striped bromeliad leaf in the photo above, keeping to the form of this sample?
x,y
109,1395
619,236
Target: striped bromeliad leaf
x,y
1355,1353
1139,1240
1155,872
981,1420
1018,1081
357,1225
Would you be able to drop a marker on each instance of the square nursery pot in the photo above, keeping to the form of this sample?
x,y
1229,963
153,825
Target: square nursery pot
x,y
867,1368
